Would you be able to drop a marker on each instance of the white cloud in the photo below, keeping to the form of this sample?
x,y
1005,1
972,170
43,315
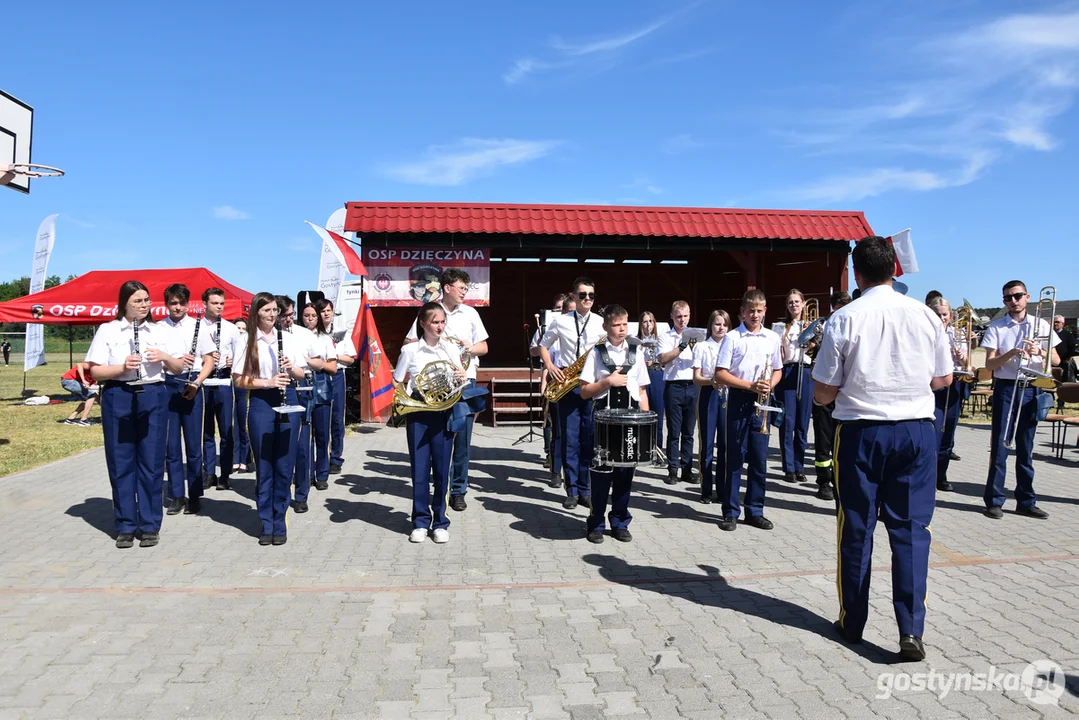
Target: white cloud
x,y
459,163
973,95
595,53
227,212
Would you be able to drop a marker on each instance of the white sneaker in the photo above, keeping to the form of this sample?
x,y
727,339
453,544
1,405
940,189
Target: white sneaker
x,y
418,535
440,536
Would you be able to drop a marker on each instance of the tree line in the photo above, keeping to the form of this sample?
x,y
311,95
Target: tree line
x,y
20,287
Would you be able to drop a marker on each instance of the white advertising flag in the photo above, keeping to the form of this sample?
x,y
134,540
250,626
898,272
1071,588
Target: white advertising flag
x,y
905,260
35,332
331,271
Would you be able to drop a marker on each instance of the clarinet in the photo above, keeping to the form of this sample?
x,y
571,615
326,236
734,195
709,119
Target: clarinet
x,y
217,369
280,356
194,345
138,370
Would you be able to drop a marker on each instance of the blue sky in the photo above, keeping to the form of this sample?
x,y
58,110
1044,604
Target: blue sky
x,y
206,133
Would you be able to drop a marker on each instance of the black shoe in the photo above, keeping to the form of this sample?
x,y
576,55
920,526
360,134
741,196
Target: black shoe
x,y
223,484
322,485
944,486
730,524
687,476
554,481
570,502
672,477
279,539
994,512
209,481
621,535
847,637
125,540
596,536
585,500
335,468
176,506
801,477
953,456
265,539
1033,511
193,506
457,502
911,648
148,540
299,506
547,462
706,499
760,522
790,477
825,492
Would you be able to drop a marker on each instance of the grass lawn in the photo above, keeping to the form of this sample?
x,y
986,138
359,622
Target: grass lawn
x,y
32,435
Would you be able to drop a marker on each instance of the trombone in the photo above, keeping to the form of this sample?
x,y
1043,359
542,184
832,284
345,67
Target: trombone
x,y
1040,377
963,330
810,319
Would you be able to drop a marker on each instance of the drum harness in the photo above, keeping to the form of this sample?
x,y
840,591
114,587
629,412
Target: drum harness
x,y
618,398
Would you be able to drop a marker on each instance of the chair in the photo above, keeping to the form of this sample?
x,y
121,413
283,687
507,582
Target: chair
x,y
983,390
1067,393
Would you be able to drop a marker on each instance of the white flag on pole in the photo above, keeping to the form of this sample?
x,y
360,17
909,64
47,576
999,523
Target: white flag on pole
x,y
34,354
905,261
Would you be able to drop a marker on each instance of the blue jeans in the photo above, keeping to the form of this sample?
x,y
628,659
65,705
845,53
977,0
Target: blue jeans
x,y
462,445
885,470
680,405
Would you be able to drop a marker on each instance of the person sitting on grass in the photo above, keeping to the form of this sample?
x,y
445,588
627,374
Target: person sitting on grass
x,y
78,382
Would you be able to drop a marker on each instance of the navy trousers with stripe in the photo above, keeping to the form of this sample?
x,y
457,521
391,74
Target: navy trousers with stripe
x,y
430,445
337,418
886,470
949,401
219,404
575,426
656,390
712,426
679,404
794,433
133,424
1025,429
184,416
274,437
744,443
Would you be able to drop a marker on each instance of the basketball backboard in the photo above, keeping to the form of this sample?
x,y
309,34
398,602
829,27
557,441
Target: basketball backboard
x,y
16,126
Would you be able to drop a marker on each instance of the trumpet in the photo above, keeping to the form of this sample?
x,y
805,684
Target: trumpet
x,y
762,406
810,318
1041,377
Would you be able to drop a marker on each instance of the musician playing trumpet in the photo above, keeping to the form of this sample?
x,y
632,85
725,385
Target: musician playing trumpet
x,y
741,365
949,400
1008,343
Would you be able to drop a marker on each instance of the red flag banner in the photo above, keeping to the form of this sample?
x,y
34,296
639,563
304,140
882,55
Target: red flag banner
x,y
369,349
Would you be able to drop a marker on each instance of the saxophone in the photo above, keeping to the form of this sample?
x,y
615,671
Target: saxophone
x,y
571,376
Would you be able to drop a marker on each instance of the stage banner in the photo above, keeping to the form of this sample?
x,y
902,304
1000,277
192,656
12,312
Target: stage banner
x,y
35,332
404,276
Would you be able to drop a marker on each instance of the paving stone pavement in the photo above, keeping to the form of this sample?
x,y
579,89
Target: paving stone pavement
x,y
518,616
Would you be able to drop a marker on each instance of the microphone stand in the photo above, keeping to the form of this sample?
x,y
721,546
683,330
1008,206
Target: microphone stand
x,y
528,436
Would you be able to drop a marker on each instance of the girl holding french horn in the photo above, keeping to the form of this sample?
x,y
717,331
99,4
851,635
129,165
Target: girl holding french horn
x,y
430,444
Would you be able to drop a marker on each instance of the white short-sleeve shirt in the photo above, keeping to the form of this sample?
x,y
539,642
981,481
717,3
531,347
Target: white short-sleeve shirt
x,y
882,352
344,346
1005,334
224,341
183,334
320,345
788,338
572,334
636,378
681,367
463,323
418,355
267,353
744,354
705,355
115,340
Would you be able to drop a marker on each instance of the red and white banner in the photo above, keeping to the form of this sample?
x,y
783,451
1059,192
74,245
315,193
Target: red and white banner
x,y
905,261
404,276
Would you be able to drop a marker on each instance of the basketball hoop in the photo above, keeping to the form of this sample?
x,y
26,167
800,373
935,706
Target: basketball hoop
x,y
30,170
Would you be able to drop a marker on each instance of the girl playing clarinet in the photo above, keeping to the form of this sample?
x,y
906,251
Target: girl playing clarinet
x,y
429,440
269,361
127,358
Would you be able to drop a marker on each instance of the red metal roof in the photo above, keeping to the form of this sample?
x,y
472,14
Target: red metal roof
x,y
382,217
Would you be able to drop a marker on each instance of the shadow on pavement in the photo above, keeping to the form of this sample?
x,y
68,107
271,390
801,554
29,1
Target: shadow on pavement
x,y
97,512
231,513
722,594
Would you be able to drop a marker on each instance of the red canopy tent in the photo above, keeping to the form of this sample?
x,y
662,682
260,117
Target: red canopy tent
x,y
90,299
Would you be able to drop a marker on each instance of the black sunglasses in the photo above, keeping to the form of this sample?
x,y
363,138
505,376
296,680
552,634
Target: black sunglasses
x,y
586,296
1014,296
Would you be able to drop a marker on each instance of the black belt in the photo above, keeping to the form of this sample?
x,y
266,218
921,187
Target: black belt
x,y
876,423
679,382
792,364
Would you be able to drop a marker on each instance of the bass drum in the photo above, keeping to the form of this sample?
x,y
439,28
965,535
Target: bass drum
x,y
624,438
